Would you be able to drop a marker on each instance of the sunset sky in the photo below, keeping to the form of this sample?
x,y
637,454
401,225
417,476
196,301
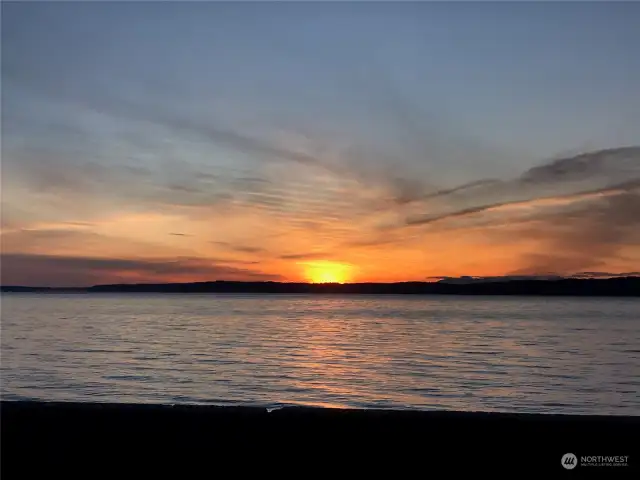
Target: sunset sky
x,y
169,141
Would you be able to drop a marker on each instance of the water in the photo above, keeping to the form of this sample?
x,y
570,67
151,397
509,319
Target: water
x,y
560,355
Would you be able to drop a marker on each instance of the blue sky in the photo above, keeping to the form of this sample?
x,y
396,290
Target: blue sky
x,y
524,81
439,94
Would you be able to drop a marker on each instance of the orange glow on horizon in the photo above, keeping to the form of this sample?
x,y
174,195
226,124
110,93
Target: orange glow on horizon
x,y
328,272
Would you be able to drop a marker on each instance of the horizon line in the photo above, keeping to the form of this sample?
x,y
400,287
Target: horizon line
x,y
471,280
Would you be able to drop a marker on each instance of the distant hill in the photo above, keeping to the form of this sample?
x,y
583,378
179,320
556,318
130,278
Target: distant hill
x,y
610,287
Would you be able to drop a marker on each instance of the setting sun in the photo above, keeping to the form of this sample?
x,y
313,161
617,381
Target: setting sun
x,y
328,272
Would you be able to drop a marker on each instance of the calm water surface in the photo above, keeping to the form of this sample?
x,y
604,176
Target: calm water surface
x,y
565,355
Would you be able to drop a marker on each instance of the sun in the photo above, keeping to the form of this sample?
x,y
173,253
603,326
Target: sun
x,y
327,272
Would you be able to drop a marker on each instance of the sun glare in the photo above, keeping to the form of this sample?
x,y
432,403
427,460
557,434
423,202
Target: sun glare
x,y
327,272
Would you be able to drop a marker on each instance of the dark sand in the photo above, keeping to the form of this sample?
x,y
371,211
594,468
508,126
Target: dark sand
x,y
139,441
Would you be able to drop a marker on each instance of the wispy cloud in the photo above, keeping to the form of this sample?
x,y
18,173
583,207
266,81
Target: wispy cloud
x,y
306,256
604,191
47,270
240,247
585,238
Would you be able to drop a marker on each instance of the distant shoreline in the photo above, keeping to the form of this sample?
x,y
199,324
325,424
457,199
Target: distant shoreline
x,y
610,287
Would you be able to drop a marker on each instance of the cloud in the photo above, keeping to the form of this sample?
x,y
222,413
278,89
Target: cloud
x,y
305,256
607,163
50,270
612,189
119,106
585,238
80,224
83,242
39,239
239,247
585,208
560,225
197,187
466,186
349,204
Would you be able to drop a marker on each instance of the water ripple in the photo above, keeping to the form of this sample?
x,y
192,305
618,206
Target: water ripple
x,y
493,354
